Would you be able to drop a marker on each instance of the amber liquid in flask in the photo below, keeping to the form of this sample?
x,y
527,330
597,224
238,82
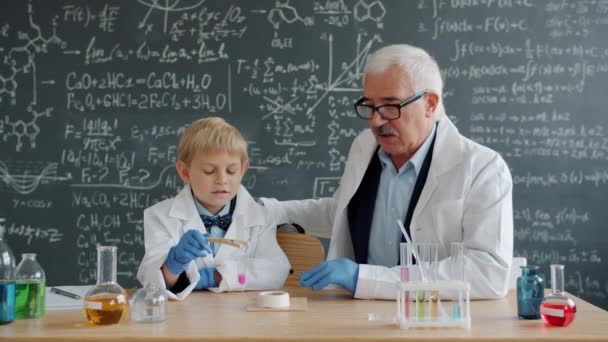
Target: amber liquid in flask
x,y
107,302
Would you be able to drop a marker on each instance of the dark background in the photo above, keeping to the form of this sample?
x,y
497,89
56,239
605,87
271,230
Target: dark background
x,y
94,95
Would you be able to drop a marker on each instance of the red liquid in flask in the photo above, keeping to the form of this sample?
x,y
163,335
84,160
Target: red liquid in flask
x,y
558,312
242,278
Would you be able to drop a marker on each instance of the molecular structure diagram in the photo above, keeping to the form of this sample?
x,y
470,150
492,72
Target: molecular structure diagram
x,y
21,129
374,11
21,58
288,14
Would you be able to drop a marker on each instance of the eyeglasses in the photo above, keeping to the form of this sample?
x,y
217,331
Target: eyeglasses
x,y
388,111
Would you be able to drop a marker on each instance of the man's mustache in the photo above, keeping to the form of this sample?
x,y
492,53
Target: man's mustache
x,y
385,130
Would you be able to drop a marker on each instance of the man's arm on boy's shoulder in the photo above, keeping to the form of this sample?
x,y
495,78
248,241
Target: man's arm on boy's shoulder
x,y
314,215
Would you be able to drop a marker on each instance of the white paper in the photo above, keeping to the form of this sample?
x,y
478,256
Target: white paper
x,y
56,301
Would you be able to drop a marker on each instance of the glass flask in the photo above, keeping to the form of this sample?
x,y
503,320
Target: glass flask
x,y
530,292
30,288
558,309
149,305
106,303
7,280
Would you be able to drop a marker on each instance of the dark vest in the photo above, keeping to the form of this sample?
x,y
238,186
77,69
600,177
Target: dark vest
x,y
360,209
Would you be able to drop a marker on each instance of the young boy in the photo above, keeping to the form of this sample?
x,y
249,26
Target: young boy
x,y
212,162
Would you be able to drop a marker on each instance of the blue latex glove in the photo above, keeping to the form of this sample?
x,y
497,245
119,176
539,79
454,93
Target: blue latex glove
x,y
191,245
343,272
207,280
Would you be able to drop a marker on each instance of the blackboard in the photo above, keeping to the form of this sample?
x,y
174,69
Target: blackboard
x,y
94,95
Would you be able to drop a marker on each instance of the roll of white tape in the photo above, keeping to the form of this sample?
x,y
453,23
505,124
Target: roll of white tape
x,y
273,299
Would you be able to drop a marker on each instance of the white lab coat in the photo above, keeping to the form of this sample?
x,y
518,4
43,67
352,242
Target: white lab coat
x,y
467,197
167,221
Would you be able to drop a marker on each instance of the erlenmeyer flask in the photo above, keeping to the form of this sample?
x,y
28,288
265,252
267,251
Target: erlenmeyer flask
x,y
107,302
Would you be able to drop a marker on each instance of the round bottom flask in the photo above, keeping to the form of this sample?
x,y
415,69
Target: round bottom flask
x,y
106,303
149,305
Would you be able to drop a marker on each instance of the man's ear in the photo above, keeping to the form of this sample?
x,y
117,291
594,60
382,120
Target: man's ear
x,y
183,171
431,101
245,167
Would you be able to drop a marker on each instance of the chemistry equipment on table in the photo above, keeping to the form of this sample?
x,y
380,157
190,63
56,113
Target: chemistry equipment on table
x,y
7,280
557,309
106,303
530,292
420,286
30,287
149,305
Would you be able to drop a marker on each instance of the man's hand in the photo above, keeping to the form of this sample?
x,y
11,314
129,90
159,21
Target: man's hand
x,y
191,245
343,272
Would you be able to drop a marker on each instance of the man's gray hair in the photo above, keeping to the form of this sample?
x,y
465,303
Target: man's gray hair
x,y
420,68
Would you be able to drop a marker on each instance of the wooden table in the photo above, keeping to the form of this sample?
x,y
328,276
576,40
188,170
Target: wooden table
x,y
332,315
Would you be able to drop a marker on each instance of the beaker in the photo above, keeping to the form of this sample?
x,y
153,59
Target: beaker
x,y
106,303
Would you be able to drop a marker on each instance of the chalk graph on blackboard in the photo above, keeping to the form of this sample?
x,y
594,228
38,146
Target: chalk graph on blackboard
x,y
169,6
27,183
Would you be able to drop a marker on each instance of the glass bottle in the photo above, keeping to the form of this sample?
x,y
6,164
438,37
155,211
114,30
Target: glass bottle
x,y
7,280
530,293
149,305
30,289
558,309
106,303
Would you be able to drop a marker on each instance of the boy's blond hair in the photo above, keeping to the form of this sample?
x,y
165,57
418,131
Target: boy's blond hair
x,y
212,133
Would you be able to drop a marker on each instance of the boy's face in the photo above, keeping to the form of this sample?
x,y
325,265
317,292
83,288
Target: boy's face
x,y
214,176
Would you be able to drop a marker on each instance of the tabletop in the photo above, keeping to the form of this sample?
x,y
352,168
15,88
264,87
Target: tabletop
x,y
332,315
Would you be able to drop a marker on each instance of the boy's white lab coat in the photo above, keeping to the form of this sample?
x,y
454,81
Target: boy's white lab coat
x,y
467,197
167,221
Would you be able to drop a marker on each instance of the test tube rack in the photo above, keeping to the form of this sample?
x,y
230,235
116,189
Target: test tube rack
x,y
427,304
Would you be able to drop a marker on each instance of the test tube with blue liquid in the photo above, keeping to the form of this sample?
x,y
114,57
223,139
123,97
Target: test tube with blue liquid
x,y
457,269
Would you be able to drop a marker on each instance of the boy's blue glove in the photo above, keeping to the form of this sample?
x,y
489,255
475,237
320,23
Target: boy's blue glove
x,y
191,245
343,272
207,280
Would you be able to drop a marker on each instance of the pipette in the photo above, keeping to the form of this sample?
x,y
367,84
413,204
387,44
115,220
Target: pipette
x,y
413,250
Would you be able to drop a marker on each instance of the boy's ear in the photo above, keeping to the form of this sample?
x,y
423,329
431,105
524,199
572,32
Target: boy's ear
x,y
183,171
244,168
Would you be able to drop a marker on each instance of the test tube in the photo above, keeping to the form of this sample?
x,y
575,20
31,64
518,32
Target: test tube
x,y
457,269
405,263
427,259
242,267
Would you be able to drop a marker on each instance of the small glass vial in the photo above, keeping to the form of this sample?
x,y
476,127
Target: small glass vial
x,y
530,293
7,280
30,289
149,305
558,309
106,303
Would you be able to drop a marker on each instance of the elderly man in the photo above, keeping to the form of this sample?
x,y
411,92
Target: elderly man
x,y
412,164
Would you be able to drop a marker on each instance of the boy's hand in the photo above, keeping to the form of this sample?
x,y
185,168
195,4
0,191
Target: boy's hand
x,y
207,279
343,272
191,245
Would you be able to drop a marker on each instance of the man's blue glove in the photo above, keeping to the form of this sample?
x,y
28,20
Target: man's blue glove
x,y
343,272
207,280
191,245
